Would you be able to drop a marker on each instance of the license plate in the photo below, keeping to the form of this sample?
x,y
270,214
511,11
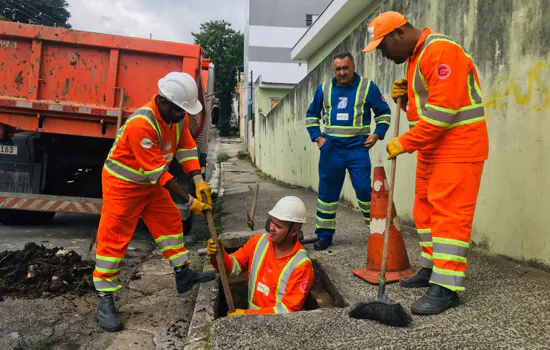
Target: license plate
x,y
9,150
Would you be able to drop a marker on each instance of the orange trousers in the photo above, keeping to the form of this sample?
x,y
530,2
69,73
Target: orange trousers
x,y
122,208
444,205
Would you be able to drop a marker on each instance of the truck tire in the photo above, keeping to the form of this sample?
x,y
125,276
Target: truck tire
x,y
25,217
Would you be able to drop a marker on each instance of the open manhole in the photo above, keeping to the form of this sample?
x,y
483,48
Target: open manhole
x,y
323,294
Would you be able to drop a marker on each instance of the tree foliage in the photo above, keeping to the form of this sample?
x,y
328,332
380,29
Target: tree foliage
x,y
225,47
53,13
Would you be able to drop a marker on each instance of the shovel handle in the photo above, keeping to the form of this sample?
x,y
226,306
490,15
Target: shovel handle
x,y
219,259
391,185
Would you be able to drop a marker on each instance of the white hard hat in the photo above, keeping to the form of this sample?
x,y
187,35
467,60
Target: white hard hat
x,y
181,89
291,209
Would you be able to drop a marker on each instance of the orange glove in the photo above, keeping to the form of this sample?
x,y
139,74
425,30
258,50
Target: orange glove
x,y
203,187
237,312
399,89
198,207
394,148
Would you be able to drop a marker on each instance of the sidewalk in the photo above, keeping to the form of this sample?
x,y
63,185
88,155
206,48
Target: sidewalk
x,y
506,305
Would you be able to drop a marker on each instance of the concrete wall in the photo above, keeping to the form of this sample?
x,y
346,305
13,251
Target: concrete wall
x,y
510,44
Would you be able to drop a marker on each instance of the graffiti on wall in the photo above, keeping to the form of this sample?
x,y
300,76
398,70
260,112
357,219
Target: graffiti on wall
x,y
537,85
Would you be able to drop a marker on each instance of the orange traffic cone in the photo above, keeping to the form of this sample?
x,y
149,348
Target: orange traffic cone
x,y
398,261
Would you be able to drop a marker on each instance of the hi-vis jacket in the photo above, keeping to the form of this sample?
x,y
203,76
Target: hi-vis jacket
x,y
274,285
145,146
346,111
445,109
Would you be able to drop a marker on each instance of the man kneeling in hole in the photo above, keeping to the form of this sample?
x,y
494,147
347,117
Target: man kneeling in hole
x,y
280,273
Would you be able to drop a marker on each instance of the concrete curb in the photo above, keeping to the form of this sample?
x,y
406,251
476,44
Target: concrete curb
x,y
204,314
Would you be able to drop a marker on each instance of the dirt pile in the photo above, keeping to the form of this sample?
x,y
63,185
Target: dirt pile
x,y
40,272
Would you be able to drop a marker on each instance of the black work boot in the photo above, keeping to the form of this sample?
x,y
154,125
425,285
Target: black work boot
x,y
186,278
107,314
322,244
420,280
436,300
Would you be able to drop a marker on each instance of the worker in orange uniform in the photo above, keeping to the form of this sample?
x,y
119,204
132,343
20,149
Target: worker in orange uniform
x,y
136,183
280,273
449,132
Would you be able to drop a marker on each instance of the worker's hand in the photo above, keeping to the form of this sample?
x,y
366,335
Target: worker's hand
x,y
321,142
371,141
394,148
237,312
197,207
212,248
399,89
204,187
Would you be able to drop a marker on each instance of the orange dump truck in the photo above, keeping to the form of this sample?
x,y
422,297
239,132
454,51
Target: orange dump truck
x,y
63,94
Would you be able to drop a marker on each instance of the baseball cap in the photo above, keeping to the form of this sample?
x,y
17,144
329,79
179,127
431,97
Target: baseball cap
x,y
382,25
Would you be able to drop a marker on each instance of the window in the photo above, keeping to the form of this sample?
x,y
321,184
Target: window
x,y
310,19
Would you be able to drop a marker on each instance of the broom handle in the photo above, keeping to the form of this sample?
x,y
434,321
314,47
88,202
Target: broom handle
x,y
391,185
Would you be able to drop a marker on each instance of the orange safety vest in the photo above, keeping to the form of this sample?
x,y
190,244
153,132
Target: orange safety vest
x,y
145,146
445,110
274,285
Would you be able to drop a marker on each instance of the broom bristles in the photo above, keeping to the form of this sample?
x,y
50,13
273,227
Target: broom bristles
x,y
384,311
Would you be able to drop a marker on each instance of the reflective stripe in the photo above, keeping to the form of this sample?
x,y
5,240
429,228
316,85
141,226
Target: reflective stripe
x,y
327,100
236,270
442,116
325,223
110,284
412,124
426,260
259,253
106,264
453,280
450,249
364,206
281,309
347,131
179,259
383,119
312,121
360,99
327,208
167,242
298,259
183,154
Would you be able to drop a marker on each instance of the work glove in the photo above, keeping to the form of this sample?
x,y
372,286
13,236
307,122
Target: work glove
x,y
394,148
203,187
212,248
197,207
237,312
399,89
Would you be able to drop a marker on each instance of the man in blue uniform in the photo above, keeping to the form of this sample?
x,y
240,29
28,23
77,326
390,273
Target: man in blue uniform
x,y
345,103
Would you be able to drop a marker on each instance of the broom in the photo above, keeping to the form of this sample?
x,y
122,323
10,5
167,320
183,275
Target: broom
x,y
383,309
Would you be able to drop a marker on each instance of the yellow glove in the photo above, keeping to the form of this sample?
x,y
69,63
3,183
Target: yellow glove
x,y
198,207
203,187
212,248
237,312
394,148
399,89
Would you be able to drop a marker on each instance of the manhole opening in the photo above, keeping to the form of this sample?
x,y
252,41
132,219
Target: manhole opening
x,y
323,294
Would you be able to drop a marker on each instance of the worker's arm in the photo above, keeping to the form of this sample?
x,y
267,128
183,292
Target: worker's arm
x,y
187,155
297,290
313,114
445,68
237,262
382,112
143,141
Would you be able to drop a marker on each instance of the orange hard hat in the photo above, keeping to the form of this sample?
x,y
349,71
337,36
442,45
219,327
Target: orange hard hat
x,y
382,25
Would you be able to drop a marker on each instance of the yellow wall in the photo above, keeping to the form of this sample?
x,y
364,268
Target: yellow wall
x,y
511,47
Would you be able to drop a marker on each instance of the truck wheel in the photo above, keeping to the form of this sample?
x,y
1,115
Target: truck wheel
x,y
25,217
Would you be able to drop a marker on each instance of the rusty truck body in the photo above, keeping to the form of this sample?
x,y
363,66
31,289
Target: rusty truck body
x,y
63,94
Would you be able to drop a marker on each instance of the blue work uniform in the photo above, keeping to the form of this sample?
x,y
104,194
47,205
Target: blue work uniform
x,y
346,114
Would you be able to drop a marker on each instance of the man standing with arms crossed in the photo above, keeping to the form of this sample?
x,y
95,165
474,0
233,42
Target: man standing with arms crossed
x,y
345,102
448,129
